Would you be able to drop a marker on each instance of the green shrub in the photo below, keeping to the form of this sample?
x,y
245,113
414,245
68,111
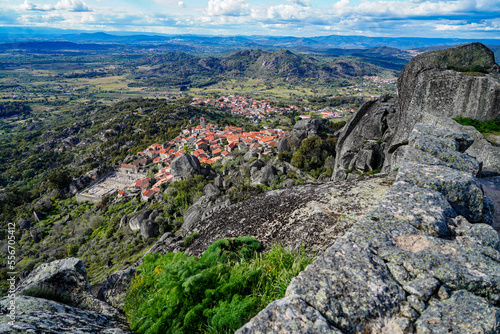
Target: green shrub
x,y
285,156
217,293
313,153
188,241
72,250
483,127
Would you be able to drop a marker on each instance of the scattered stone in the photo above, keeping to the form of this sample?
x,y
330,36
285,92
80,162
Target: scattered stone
x,y
423,288
123,221
38,216
288,183
219,182
137,220
35,236
250,155
211,191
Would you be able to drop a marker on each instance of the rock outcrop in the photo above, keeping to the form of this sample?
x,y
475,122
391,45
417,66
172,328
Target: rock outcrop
x,y
412,264
463,81
460,81
303,129
184,165
144,221
203,208
37,315
55,298
309,215
66,281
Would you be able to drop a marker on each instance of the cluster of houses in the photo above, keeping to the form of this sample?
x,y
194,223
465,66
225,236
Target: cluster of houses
x,y
248,107
208,143
259,109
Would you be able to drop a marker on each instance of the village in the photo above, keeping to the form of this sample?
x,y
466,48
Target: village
x,y
261,109
146,171
149,169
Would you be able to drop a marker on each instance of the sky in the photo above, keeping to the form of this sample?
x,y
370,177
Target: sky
x,y
301,18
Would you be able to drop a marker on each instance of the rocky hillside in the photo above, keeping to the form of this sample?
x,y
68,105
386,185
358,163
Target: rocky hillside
x,y
413,250
281,65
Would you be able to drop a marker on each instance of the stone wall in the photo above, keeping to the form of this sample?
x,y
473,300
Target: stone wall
x,y
81,197
424,260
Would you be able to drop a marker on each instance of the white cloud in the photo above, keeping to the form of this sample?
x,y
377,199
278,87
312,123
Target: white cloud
x,y
228,7
29,6
171,3
73,6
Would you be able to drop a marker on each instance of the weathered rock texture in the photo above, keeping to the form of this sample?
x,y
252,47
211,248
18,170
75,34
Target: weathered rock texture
x,y
66,281
184,166
37,315
307,215
55,298
440,83
460,81
412,264
303,129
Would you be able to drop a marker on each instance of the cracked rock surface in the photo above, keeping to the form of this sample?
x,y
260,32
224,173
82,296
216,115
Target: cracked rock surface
x,y
425,259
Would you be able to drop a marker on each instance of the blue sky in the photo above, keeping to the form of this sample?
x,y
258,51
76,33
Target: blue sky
x,y
412,18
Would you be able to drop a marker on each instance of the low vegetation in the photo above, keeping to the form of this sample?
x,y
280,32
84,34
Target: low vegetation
x,y
217,293
483,127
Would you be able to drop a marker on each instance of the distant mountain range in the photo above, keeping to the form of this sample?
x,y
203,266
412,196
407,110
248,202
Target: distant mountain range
x,y
8,34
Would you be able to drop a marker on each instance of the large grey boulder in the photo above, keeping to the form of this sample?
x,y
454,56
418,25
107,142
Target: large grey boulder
x,y
37,315
139,219
211,191
481,149
264,176
64,281
249,155
167,243
363,142
434,162
184,165
203,208
305,128
115,288
435,84
192,215
219,182
149,229
438,82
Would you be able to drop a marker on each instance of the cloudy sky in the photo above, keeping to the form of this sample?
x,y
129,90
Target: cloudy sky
x,y
395,18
